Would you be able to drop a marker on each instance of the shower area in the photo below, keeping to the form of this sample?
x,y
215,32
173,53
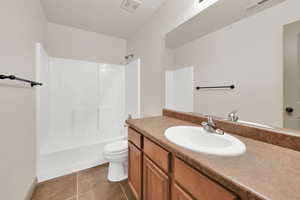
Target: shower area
x,y
81,107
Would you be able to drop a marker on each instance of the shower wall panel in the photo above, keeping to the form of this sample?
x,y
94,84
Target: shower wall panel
x,y
86,104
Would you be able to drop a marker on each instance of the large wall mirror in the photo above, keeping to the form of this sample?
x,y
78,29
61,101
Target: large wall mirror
x,y
251,44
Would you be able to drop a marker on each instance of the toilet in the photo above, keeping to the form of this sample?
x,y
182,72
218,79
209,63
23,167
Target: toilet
x,y
116,154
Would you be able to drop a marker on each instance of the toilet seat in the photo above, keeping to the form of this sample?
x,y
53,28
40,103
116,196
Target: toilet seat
x,y
116,148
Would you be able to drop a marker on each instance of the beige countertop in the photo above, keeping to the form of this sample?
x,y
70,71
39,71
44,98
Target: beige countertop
x,y
265,171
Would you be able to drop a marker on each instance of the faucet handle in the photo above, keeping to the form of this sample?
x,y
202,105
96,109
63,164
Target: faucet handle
x,y
210,121
233,112
203,123
232,116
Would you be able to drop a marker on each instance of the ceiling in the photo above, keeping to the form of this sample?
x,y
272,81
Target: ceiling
x,y
101,16
215,17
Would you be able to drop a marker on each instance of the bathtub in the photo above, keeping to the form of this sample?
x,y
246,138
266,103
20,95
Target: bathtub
x,y
64,162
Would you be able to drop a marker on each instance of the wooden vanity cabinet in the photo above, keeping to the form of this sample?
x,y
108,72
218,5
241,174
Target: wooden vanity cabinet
x,y
179,194
135,138
155,182
157,154
135,158
151,176
198,185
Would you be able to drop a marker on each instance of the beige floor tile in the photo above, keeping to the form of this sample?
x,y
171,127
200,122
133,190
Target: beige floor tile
x,y
103,192
60,188
90,184
92,178
126,189
72,198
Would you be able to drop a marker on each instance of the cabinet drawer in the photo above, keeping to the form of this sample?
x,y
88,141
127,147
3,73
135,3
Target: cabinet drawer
x,y
157,154
198,185
135,137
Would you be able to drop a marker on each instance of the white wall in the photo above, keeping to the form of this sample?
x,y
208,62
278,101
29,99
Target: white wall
x,y
149,45
22,25
73,43
249,54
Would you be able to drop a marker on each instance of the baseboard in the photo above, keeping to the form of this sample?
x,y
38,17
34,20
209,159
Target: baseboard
x,y
31,190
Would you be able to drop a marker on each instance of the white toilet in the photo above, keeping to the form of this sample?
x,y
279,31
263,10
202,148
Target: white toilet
x,y
117,155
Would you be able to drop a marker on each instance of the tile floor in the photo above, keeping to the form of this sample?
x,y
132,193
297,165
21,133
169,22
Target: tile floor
x,y
89,184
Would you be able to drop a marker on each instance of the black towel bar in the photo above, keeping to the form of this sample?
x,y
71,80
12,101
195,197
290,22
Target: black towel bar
x,y
12,77
217,87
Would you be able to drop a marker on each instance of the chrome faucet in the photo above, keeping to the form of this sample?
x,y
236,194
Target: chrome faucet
x,y
211,127
232,116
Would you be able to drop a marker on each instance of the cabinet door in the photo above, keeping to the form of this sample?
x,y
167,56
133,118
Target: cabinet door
x,y
156,182
179,194
135,170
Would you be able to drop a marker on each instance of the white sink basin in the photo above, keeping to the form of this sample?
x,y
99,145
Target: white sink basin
x,y
198,140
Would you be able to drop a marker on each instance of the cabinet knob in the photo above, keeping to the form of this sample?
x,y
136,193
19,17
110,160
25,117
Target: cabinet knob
x,y
289,110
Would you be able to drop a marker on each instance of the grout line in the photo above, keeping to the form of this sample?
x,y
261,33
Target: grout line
x,y
71,198
123,191
77,186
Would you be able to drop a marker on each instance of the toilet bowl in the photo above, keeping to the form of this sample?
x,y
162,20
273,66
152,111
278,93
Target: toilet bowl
x,y
116,154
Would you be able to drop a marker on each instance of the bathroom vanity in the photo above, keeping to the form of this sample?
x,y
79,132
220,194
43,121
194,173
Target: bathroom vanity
x,y
153,170
161,170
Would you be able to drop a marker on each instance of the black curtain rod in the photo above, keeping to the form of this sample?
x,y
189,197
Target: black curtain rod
x,y
12,77
217,87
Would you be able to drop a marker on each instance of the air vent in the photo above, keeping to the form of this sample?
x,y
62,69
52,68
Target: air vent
x,y
257,4
131,5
